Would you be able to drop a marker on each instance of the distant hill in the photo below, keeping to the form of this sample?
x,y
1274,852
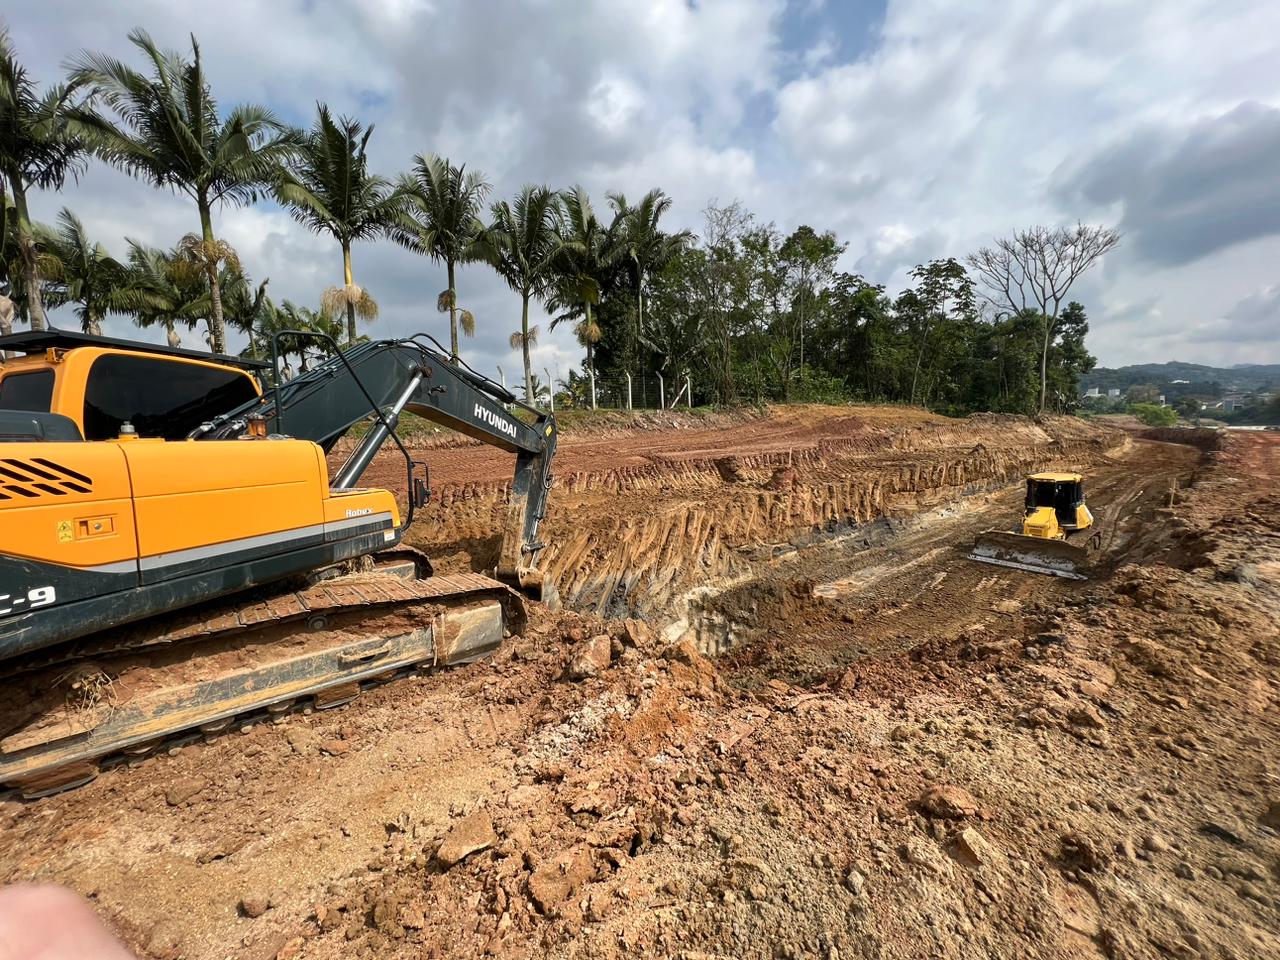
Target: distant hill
x,y
1214,381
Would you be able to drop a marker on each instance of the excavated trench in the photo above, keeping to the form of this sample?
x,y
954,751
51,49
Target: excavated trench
x,y
668,540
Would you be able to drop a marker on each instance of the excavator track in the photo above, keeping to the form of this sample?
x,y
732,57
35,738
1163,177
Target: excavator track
x,y
144,689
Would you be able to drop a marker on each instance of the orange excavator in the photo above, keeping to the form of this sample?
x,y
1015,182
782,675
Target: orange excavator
x,y
175,556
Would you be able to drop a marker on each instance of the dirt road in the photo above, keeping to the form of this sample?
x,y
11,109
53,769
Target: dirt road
x,y
896,752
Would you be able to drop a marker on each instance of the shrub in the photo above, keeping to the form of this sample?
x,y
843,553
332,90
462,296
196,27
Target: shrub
x,y
1154,415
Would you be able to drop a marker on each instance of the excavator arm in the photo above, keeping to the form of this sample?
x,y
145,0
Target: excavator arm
x,y
384,378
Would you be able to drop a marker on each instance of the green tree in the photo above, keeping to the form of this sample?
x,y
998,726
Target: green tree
x,y
589,252
38,150
281,320
1068,358
159,290
440,219
329,189
169,131
1188,407
1154,415
9,270
526,249
719,287
854,338
678,328
809,259
14,299
243,304
1271,412
646,246
941,302
86,274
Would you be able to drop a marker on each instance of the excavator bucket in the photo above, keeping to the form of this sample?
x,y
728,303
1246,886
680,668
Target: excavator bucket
x,y
1057,558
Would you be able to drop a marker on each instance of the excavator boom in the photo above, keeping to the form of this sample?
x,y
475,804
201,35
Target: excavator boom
x,y
392,376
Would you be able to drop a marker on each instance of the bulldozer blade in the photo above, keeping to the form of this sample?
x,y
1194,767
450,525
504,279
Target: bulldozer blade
x,y
1056,558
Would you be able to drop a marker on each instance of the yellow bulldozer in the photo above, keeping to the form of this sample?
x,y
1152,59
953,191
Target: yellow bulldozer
x,y
1054,516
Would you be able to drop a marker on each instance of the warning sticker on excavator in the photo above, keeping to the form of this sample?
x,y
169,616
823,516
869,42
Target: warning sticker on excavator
x,y
64,531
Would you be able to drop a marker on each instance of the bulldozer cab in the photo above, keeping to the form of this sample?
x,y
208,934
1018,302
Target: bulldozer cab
x,y
1064,492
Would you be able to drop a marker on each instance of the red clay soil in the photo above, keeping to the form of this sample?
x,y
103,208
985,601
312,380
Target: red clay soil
x,y
898,754
671,436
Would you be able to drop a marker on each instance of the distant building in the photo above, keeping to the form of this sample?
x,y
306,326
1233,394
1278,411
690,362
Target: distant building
x,y
1113,392
1093,392
1162,399
1179,381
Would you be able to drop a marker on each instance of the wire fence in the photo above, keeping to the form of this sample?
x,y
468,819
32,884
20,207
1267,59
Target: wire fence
x,y
650,390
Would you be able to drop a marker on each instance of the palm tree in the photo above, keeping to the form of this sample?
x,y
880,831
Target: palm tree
x,y
86,274
329,189
10,270
170,133
159,289
526,250
37,150
647,247
291,316
441,219
243,303
589,251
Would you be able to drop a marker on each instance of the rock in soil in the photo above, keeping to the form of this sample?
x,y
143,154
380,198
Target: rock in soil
x,y
255,904
948,803
469,835
590,657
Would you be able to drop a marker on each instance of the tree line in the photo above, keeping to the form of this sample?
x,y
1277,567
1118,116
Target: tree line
x,y
755,315
765,316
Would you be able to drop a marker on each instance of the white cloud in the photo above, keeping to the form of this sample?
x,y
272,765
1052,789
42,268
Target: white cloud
x,y
954,127
959,122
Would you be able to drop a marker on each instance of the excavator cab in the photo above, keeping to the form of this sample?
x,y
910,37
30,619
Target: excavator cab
x,y
100,384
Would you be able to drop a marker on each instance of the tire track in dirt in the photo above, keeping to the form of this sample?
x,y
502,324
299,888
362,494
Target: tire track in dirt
x,y
636,539
841,602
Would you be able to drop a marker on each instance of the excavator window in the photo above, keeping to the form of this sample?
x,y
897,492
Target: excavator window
x,y
31,392
160,397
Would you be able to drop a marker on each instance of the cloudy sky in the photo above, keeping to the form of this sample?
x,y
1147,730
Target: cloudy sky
x,y
913,128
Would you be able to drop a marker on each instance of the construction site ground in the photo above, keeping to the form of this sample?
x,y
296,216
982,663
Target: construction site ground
x,y
780,714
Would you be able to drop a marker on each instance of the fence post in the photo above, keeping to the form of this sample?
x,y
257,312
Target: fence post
x,y
688,385
662,392
628,390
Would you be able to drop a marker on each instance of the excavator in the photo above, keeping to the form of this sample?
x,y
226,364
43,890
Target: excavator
x,y
176,558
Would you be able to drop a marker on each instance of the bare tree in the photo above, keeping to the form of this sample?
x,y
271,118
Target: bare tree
x,y
1034,270
719,284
